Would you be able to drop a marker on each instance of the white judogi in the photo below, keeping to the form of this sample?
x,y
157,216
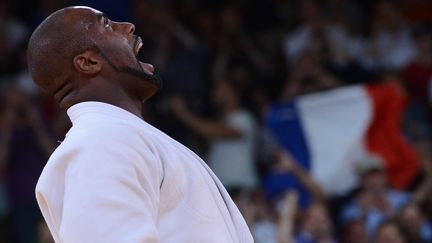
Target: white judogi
x,y
115,178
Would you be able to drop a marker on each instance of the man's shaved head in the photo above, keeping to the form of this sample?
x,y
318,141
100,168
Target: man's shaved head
x,y
79,54
53,45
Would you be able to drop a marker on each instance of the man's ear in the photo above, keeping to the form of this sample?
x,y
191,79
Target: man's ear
x,y
87,62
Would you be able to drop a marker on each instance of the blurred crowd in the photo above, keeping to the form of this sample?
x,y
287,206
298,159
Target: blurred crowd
x,y
223,64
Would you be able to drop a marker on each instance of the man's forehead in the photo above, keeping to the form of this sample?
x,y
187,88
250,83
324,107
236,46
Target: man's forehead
x,y
84,14
94,11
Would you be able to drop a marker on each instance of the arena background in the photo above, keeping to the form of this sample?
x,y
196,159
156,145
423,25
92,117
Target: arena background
x,y
257,67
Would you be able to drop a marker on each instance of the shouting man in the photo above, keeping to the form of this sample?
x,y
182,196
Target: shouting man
x,y
115,178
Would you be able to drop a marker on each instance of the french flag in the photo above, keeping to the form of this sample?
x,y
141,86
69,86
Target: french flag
x,y
328,132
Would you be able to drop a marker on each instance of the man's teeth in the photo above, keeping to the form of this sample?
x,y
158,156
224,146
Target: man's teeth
x,y
139,47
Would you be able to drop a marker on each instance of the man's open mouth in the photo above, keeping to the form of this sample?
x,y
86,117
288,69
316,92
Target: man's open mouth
x,y
138,45
147,68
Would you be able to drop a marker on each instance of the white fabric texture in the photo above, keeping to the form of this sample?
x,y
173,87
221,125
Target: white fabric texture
x,y
115,178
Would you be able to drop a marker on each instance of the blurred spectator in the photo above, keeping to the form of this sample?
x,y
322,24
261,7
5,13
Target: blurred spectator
x,y
233,139
264,226
414,224
308,76
22,79
327,37
417,80
260,216
330,40
413,218
418,73
16,31
375,201
276,214
389,232
316,226
354,231
423,192
171,47
235,46
287,212
391,45
305,36
26,145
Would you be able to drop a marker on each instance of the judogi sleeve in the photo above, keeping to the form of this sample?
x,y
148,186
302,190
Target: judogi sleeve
x,y
111,194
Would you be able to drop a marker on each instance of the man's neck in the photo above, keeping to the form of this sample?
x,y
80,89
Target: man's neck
x,y
134,107
119,99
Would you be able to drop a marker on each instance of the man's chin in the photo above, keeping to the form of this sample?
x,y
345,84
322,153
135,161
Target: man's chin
x,y
147,84
156,81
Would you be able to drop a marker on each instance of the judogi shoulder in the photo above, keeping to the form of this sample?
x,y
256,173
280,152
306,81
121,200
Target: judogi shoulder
x,y
115,178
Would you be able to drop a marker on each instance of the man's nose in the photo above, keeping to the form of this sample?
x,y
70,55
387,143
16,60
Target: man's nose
x,y
129,28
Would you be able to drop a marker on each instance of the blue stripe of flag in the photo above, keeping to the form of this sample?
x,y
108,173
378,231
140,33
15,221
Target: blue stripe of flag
x,y
285,124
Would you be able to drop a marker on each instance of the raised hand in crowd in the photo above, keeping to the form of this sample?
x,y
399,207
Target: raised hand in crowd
x,y
204,127
287,163
287,210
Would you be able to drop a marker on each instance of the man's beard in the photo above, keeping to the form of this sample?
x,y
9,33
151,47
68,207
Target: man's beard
x,y
141,74
135,72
